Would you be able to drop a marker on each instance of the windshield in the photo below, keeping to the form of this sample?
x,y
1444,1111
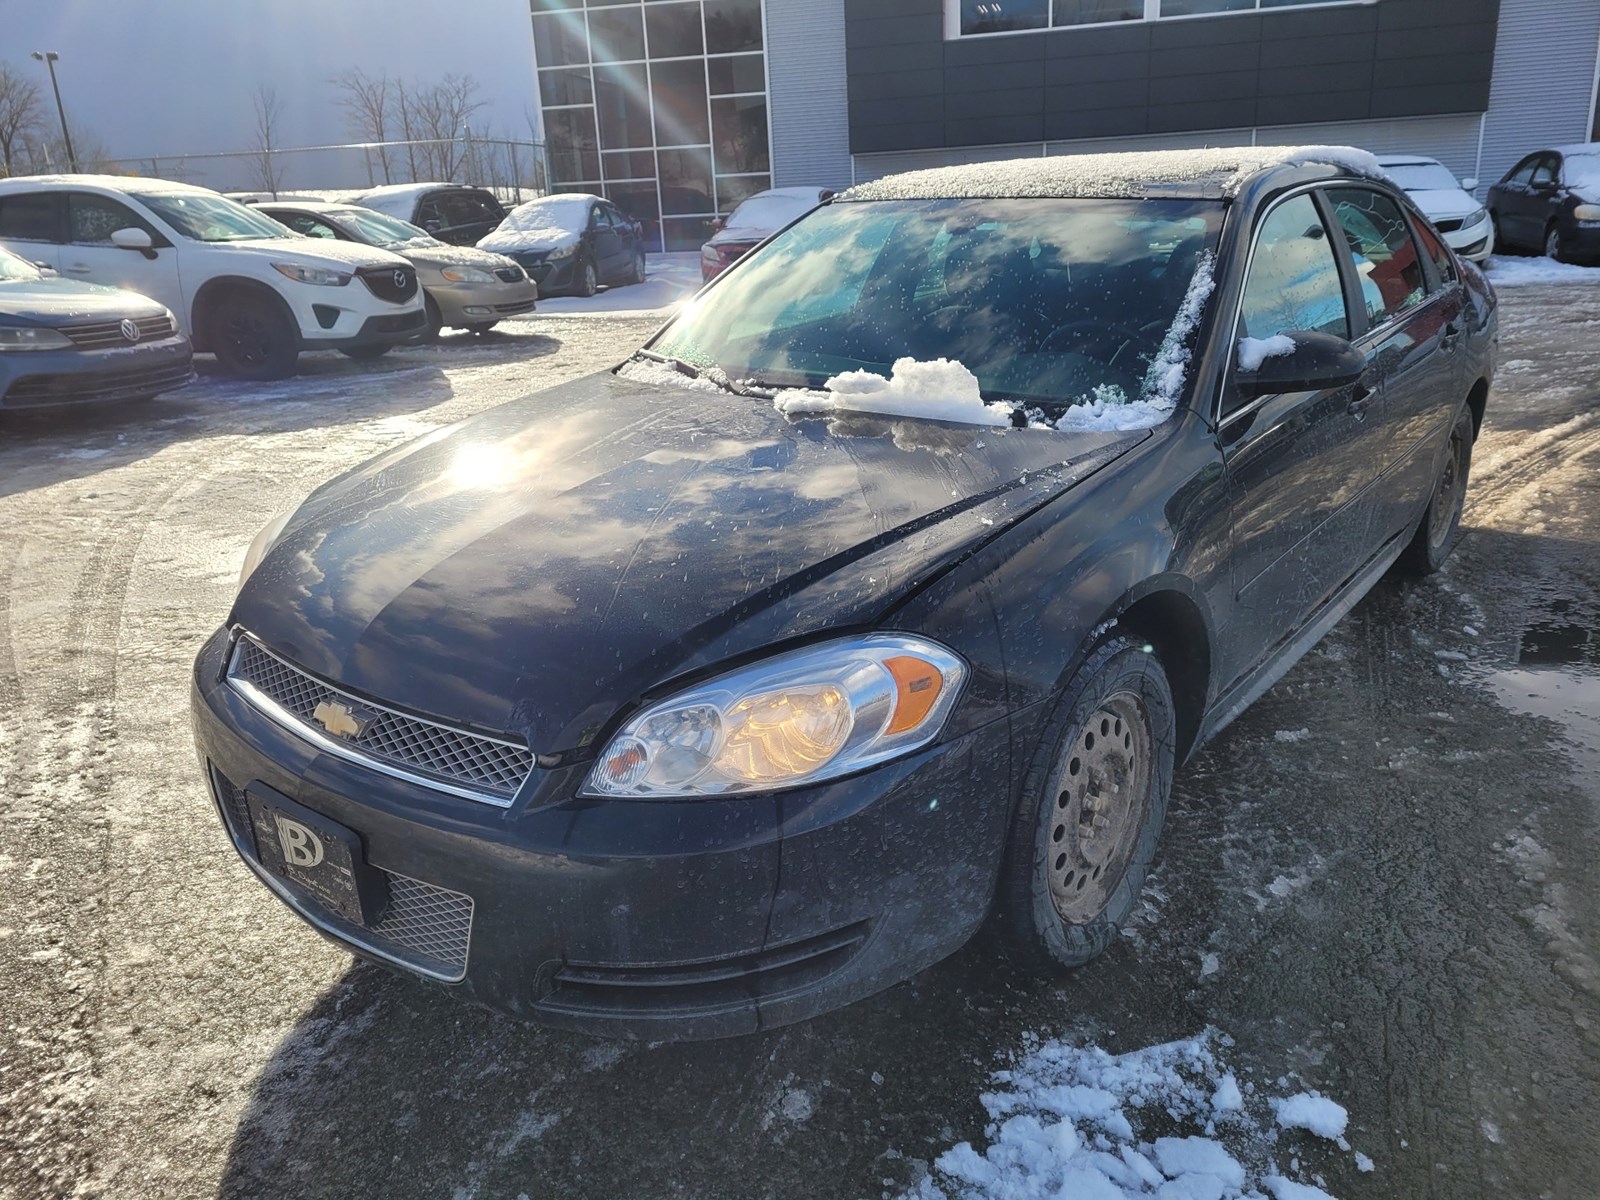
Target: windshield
x,y
1045,301
1424,177
13,269
767,212
379,229
207,218
1582,171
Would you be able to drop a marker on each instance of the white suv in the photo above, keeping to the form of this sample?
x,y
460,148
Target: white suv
x,y
244,287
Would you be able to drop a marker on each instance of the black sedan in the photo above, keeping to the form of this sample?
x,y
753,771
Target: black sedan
x,y
65,342
571,242
1550,203
883,591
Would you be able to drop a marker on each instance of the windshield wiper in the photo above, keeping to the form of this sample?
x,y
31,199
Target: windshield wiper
x,y
716,379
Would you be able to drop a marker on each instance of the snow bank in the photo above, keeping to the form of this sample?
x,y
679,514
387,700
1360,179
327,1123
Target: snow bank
x,y
1066,1126
556,220
1255,351
1124,175
1526,272
939,390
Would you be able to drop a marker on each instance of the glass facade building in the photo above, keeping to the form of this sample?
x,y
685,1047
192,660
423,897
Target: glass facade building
x,y
658,105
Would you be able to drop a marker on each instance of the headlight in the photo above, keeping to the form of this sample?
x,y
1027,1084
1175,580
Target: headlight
x,y
467,275
1478,214
321,276
561,252
1587,212
264,542
29,337
799,718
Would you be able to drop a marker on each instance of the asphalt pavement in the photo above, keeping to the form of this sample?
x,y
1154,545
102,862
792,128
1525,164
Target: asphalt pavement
x,y
1382,882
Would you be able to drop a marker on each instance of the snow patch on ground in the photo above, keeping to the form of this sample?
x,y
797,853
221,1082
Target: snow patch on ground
x,y
1504,271
1314,1112
940,390
1291,735
1068,1123
1255,351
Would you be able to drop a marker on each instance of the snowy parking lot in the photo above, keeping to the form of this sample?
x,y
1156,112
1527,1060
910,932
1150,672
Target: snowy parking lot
x,y
1368,961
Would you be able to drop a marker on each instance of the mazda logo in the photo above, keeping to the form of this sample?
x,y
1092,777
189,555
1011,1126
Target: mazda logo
x,y
400,280
130,329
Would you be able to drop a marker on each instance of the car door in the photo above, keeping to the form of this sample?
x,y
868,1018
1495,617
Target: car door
x,y
606,244
89,255
1511,201
627,235
1544,200
30,226
1298,464
1413,327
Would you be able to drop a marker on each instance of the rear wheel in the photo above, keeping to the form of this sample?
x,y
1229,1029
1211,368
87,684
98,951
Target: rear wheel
x,y
1092,807
1440,528
253,339
637,274
366,353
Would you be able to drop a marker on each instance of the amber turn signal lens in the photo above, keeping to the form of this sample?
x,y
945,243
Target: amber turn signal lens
x,y
917,685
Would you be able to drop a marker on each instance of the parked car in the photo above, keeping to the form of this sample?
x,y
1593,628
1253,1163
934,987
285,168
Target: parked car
x,y
452,212
64,342
241,285
1550,202
464,288
1446,201
704,695
753,222
572,242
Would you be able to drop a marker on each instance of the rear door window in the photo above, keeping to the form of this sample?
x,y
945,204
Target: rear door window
x,y
92,219
307,224
1387,262
1443,264
30,217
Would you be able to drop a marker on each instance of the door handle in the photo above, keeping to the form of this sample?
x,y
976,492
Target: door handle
x,y
1452,335
79,269
1360,397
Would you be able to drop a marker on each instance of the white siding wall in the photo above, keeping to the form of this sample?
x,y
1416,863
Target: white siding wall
x,y
1544,72
808,105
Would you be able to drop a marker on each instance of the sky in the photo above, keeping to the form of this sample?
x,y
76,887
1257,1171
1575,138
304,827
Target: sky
x,y
167,76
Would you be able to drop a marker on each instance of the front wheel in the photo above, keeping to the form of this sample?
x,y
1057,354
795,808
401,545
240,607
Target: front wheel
x,y
588,282
253,339
366,353
1555,247
1441,523
1091,811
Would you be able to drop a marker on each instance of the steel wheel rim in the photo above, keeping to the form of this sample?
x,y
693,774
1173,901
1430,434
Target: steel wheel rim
x,y
1552,244
1447,499
1100,793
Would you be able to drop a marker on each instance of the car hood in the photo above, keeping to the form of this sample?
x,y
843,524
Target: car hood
x,y
744,235
507,241
438,257
319,252
1444,204
68,302
536,568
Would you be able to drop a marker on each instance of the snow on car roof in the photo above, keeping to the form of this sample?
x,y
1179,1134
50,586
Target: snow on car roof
x,y
398,199
550,218
1407,160
1579,150
1126,175
134,185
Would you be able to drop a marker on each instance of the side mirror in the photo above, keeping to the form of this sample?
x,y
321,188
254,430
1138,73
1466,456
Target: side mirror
x,y
131,239
1469,184
718,224
46,269
432,226
1301,361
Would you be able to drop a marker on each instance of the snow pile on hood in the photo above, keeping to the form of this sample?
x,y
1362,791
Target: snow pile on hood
x,y
553,221
1067,1126
1255,351
1124,175
940,390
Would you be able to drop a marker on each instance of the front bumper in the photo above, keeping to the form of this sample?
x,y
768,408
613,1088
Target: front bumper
x,y
473,303
34,379
653,920
551,275
389,328
1474,242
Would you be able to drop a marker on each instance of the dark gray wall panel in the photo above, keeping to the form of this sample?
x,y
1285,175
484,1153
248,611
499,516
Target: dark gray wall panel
x,y
911,90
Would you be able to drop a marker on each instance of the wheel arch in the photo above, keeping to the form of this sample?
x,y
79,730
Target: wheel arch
x,y
1171,618
1478,402
217,289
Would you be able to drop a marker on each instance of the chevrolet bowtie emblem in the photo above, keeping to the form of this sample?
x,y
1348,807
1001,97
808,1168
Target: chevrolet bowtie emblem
x,y
340,719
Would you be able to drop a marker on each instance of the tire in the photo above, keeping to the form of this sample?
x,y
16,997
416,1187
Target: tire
x,y
367,353
638,273
253,339
435,319
1067,885
1440,527
587,282
1555,247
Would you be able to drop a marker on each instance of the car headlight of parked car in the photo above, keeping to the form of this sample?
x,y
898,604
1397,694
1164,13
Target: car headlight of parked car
x,y
1587,212
263,544
28,337
561,252
467,275
798,718
321,276
1478,214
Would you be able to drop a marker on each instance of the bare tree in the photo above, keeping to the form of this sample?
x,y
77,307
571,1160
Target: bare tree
x,y
19,116
43,149
366,102
440,113
268,175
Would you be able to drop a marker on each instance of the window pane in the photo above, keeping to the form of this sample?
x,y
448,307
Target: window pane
x,y
732,192
617,34
1294,280
1087,12
1386,255
1435,249
629,164
1186,8
559,39
539,6
686,181
739,135
93,219
679,91
28,218
569,139
619,94
732,26
674,30
686,233
996,16
639,201
566,87
745,73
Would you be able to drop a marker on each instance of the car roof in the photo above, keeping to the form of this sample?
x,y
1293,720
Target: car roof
x,y
1407,160
1199,174
132,185
812,194
311,206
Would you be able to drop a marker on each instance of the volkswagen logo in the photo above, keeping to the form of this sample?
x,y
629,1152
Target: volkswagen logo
x,y
401,278
130,329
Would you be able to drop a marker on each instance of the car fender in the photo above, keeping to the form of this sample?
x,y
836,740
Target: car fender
x,y
210,292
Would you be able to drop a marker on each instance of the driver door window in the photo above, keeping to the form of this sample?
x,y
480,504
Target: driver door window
x,y
1545,172
309,225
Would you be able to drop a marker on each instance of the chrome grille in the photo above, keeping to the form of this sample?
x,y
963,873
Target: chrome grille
x,y
425,927
466,764
510,274
109,333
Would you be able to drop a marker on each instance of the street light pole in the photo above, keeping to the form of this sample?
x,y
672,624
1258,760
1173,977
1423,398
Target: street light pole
x,y
49,59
